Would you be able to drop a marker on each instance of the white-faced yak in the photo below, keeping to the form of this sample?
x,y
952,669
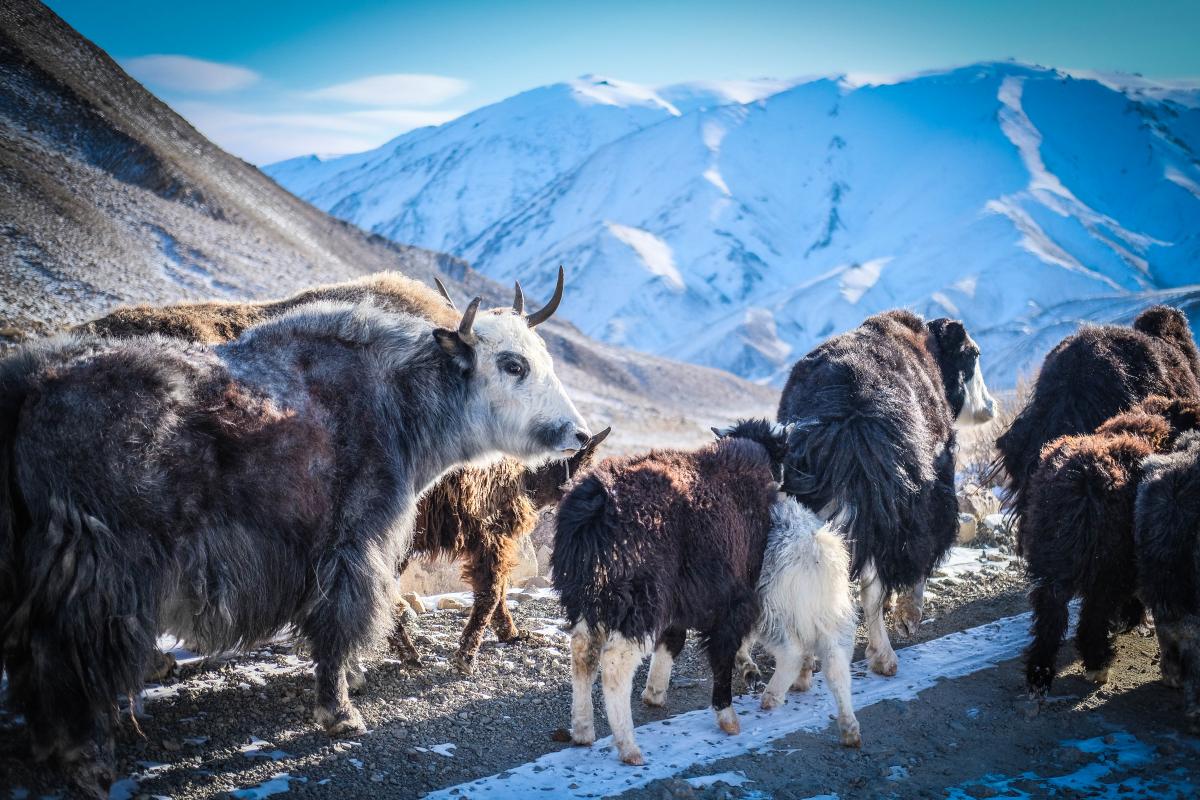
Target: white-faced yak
x,y
652,545
1079,533
873,415
1167,542
476,514
225,492
1091,376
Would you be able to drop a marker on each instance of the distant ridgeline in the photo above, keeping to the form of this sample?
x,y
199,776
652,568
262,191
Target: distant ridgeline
x,y
738,224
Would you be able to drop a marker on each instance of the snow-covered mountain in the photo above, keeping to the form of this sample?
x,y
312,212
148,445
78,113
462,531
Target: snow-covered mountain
x,y
738,224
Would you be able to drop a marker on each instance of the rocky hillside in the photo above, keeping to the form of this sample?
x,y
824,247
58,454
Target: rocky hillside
x,y
737,225
107,196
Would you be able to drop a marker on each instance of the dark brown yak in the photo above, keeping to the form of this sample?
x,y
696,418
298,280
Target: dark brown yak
x,y
474,514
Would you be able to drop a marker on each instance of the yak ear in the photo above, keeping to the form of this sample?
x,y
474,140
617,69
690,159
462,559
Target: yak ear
x,y
458,349
721,433
950,333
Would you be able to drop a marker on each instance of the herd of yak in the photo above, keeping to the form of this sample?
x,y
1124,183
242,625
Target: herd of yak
x,y
225,471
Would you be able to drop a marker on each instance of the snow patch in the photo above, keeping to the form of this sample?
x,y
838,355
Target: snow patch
x,y
446,749
654,253
278,784
688,739
857,279
705,781
611,92
1179,179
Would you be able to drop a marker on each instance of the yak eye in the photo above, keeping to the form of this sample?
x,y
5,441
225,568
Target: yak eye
x,y
514,364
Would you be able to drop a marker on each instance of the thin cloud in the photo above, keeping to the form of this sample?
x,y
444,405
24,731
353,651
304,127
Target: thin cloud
x,y
396,89
267,138
187,74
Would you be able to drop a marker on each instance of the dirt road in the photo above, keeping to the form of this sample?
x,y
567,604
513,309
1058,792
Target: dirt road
x,y
243,727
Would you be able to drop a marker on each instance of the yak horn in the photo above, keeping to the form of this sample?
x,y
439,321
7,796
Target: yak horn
x,y
518,298
441,287
468,320
544,313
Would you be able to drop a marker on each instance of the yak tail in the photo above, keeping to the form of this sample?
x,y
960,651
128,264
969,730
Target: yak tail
x,y
851,470
594,572
1166,524
804,587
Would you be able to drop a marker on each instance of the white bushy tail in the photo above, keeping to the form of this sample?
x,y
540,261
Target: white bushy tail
x,y
807,610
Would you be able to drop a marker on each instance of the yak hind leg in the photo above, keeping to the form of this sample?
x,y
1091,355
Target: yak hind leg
x,y
488,582
880,655
670,644
585,661
619,661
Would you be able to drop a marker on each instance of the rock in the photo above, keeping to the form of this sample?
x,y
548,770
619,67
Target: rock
x,y
977,501
449,603
994,529
527,562
414,602
543,552
968,528
536,582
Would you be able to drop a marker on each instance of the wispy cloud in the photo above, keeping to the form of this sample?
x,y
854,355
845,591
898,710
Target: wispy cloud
x,y
187,74
266,138
396,89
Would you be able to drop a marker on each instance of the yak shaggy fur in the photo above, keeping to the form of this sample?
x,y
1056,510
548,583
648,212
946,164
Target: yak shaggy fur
x,y
873,414
226,492
477,514
1079,537
650,546
1089,377
1167,542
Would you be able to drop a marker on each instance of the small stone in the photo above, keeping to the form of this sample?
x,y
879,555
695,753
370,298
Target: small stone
x,y
450,603
170,745
414,602
536,582
968,528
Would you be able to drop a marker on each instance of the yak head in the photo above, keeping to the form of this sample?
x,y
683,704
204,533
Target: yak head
x,y
518,404
958,357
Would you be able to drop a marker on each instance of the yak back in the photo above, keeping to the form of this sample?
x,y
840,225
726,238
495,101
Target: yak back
x,y
1090,377
872,432
663,537
471,506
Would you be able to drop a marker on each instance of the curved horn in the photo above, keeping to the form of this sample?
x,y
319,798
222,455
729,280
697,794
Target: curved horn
x,y
468,320
441,287
518,298
544,313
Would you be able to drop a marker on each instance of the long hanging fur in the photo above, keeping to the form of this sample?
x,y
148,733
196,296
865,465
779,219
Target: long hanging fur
x,y
1090,377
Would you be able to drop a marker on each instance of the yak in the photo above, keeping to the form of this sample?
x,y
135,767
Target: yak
x,y
1079,537
650,546
227,491
477,514
1091,376
873,414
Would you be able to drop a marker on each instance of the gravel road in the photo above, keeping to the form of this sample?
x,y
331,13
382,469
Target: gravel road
x,y
242,727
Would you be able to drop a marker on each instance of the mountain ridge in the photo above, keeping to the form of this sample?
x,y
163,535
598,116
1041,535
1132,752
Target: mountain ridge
x,y
739,234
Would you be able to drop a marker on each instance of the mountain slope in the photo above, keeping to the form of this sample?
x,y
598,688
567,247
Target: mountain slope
x,y
739,235
107,196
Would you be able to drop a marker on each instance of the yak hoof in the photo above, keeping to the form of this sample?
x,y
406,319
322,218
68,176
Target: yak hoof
x,y
632,757
343,722
655,698
161,667
851,737
463,663
727,720
1097,675
883,662
770,701
583,737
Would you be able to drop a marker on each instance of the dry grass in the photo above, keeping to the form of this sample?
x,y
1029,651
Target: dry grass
x,y
977,446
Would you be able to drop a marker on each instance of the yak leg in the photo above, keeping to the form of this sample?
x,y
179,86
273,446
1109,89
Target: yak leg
x,y
585,660
789,663
354,602
1170,659
619,661
487,580
910,608
745,666
1049,625
1092,639
399,640
1185,633
835,663
722,642
880,655
670,644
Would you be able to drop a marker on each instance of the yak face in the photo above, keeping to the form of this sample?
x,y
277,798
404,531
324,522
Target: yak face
x,y
518,404
958,357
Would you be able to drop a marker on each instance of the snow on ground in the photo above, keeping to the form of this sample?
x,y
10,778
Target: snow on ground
x,y
674,744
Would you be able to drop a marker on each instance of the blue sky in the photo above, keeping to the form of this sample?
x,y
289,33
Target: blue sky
x,y
270,80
